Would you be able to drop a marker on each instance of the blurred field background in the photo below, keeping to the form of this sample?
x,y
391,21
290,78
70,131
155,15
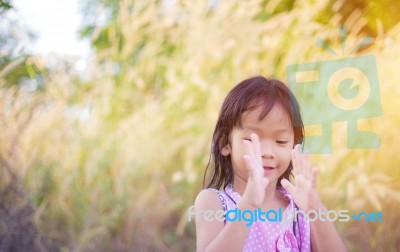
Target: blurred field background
x,y
110,160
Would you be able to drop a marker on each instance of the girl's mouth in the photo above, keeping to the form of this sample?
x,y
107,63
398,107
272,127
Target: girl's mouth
x,y
268,169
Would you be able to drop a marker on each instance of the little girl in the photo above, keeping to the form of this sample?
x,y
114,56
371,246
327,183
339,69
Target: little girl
x,y
255,148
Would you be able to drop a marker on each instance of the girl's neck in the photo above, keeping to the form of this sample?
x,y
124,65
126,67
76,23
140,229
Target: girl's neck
x,y
271,194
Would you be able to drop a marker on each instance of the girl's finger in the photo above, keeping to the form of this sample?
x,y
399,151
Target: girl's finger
x,y
256,147
266,182
307,165
314,178
294,163
249,165
299,159
249,147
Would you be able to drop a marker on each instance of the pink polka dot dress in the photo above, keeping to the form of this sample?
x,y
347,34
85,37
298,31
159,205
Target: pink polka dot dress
x,y
272,236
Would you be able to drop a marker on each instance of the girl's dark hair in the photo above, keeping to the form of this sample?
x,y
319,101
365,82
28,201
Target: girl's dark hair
x,y
246,96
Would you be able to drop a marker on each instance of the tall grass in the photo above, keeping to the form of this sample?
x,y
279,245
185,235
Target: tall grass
x,y
114,161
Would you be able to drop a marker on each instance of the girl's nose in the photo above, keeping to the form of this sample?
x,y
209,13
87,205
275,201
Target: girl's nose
x,y
267,151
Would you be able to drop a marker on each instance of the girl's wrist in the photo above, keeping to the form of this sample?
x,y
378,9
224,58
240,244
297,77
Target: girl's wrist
x,y
244,205
317,205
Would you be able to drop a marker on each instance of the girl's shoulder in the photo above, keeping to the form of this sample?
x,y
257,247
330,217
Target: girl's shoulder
x,y
208,200
208,214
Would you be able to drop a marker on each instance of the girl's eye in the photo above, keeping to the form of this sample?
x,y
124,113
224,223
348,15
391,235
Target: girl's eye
x,y
248,139
282,142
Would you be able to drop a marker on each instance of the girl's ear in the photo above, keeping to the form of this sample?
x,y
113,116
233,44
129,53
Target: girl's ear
x,y
226,150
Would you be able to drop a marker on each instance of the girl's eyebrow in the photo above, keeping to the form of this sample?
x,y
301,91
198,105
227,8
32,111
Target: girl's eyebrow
x,y
257,129
252,128
283,130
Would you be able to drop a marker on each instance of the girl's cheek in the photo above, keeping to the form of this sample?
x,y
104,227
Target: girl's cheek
x,y
288,155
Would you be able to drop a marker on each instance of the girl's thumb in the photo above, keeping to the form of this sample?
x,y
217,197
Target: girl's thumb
x,y
287,185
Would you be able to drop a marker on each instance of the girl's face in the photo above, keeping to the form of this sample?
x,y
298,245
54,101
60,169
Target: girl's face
x,y
276,141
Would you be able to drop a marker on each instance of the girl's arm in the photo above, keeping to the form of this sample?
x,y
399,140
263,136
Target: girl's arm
x,y
324,236
212,235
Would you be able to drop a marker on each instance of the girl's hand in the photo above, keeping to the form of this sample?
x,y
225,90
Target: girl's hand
x,y
256,183
304,191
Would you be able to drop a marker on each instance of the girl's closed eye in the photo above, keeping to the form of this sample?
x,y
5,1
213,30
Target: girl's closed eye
x,y
282,141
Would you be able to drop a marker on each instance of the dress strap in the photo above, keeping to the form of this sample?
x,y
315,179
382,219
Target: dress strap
x,y
221,198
